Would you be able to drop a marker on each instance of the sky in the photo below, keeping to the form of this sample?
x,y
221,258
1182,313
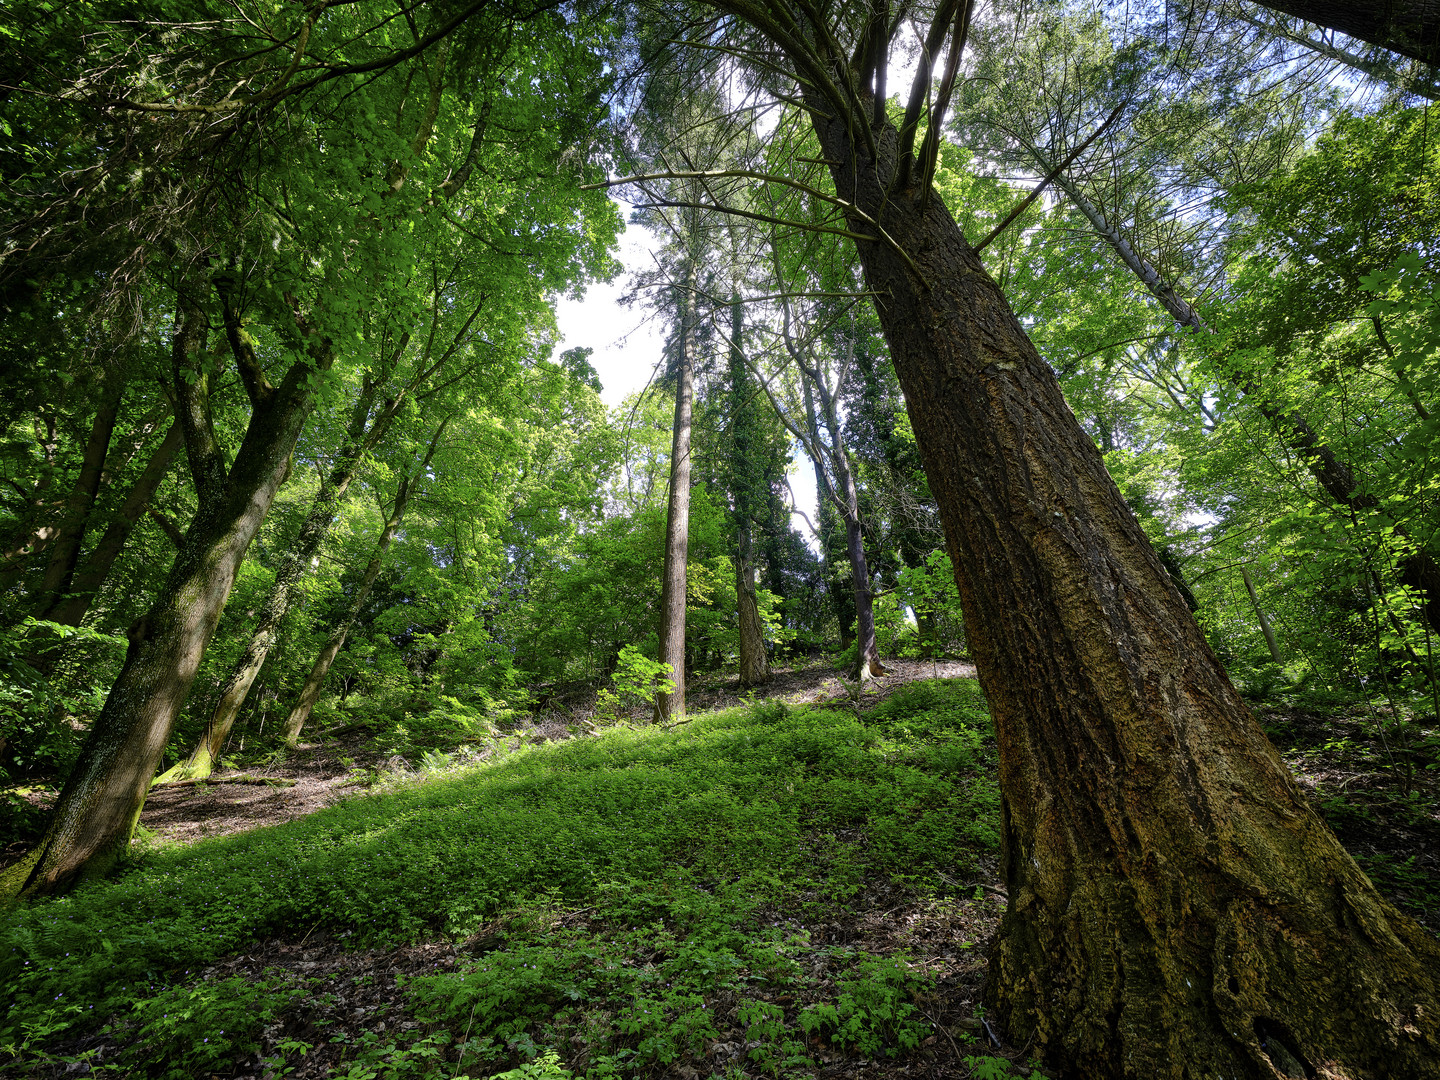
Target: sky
x,y
628,341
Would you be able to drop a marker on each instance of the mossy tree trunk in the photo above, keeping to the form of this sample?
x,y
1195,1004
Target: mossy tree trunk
x,y
100,803
363,431
1176,909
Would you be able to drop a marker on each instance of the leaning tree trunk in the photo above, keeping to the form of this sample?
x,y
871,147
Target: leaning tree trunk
x,y
1176,907
1260,616
671,706
70,609
277,605
98,807
65,547
315,681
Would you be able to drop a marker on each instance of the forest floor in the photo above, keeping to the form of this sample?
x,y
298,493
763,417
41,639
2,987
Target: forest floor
x,y
321,772
1377,784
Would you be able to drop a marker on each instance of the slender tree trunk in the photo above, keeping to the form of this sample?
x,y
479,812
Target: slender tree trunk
x,y
70,609
671,706
315,681
1176,907
35,532
746,486
96,812
840,487
1261,617
754,664
842,592
65,547
867,654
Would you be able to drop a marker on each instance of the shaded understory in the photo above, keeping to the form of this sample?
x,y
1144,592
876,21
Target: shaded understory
x,y
772,889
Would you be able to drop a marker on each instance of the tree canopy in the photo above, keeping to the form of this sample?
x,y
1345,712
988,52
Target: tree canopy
x,y
1111,334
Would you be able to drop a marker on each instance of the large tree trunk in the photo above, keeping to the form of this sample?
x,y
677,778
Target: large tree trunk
x,y
97,809
281,598
671,706
1409,27
1176,908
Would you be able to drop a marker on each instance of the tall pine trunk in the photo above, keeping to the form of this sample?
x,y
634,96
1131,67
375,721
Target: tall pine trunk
x,y
671,706
98,807
1176,907
747,494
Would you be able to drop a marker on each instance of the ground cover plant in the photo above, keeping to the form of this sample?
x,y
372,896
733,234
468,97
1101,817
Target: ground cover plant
x,y
764,890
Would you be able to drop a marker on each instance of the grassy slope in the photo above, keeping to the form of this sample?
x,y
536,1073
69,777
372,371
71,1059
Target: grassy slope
x,y
701,855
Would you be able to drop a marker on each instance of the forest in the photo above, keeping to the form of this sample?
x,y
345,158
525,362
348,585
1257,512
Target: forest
x,y
377,702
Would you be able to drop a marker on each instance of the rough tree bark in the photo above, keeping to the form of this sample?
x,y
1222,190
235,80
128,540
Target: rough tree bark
x,y
1409,27
96,812
671,706
1176,909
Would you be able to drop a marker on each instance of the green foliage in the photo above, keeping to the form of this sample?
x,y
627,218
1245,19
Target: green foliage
x,y
206,1026
998,1068
873,1014
681,842
637,679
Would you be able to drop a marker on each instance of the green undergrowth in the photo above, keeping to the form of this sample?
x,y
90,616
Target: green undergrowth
x,y
629,899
